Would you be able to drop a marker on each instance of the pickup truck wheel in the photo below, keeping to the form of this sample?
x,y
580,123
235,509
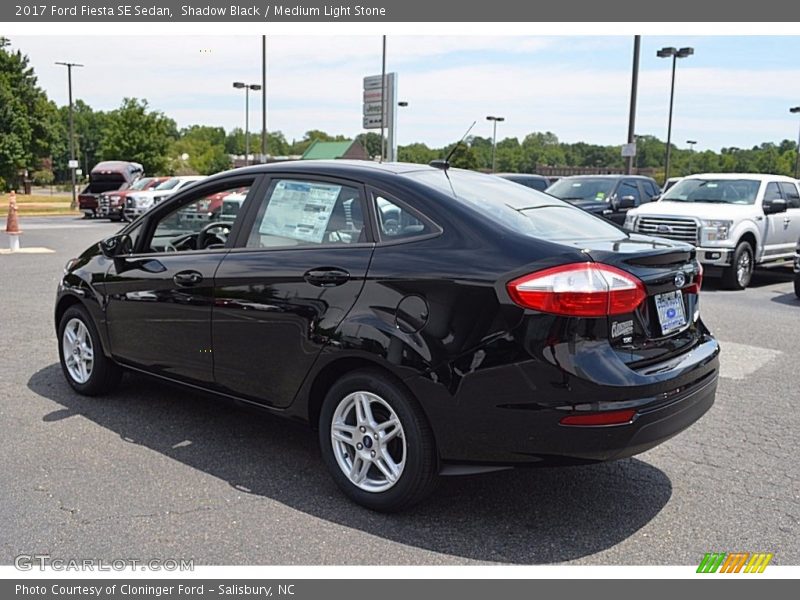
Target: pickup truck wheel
x,y
738,275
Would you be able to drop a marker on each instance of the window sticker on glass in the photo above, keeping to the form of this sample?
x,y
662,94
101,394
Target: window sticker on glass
x,y
600,195
300,210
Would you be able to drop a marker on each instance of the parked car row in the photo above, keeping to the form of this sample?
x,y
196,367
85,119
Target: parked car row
x,y
737,221
107,176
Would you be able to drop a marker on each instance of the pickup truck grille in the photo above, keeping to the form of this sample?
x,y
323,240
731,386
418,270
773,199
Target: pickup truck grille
x,y
673,228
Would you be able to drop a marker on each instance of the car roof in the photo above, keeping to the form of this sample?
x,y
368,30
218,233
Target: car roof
x,y
758,176
334,168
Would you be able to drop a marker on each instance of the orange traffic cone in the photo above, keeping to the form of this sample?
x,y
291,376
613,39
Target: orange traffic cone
x,y
12,223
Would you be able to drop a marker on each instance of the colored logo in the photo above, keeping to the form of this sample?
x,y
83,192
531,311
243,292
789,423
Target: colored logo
x,y
737,562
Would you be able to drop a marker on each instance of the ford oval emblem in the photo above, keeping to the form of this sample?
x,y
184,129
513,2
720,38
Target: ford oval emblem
x,y
664,229
680,280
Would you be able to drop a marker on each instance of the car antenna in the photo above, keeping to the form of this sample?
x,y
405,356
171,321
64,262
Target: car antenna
x,y
445,164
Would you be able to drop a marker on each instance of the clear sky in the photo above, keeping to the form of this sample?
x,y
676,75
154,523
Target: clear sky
x,y
734,91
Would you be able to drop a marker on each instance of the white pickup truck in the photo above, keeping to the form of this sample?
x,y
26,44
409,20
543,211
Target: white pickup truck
x,y
737,221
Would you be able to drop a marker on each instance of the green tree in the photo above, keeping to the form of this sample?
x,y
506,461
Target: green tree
x,y
417,153
372,143
205,147
28,120
136,133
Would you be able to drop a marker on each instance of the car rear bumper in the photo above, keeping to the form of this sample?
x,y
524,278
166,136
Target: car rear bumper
x,y
513,418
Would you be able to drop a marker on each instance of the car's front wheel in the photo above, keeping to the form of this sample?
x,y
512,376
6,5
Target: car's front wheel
x,y
738,275
86,368
377,443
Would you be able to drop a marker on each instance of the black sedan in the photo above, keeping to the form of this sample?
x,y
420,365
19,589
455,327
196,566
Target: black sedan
x,y
426,320
607,196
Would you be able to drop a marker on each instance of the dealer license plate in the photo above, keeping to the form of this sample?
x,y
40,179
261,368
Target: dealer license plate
x,y
671,315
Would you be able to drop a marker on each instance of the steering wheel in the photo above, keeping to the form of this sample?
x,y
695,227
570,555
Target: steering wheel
x,y
203,235
174,245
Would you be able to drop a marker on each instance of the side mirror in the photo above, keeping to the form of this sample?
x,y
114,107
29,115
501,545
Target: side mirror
x,y
626,202
116,245
777,205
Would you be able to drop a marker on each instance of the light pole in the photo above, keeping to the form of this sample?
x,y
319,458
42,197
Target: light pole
x,y
675,54
637,39
401,104
794,110
72,162
494,120
247,87
691,153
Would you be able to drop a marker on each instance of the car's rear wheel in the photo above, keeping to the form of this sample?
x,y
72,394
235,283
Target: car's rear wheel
x,y
797,284
739,274
377,443
86,368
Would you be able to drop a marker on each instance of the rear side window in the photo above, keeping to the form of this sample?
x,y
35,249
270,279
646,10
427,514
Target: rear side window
x,y
298,212
396,222
790,194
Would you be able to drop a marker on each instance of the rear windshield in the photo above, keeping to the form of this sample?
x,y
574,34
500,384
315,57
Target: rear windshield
x,y
520,208
583,188
721,191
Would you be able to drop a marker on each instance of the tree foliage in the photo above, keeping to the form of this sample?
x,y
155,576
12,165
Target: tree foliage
x,y
136,133
29,126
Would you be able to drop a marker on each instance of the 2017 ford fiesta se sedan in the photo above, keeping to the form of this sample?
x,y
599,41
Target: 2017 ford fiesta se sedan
x,y
426,320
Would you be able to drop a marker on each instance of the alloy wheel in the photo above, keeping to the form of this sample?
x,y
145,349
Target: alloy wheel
x,y
368,441
744,268
78,351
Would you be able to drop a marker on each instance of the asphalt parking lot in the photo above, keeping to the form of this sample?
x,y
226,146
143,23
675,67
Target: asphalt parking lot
x,y
154,471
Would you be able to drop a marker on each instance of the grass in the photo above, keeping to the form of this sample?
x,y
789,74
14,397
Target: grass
x,y
39,205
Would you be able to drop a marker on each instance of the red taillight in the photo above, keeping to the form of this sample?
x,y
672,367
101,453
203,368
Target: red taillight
x,y
579,290
698,281
614,417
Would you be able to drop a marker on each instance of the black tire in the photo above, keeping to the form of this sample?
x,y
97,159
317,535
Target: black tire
x,y
105,374
797,284
420,473
731,277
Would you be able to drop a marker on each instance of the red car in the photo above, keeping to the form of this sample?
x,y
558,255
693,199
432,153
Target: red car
x,y
111,205
107,176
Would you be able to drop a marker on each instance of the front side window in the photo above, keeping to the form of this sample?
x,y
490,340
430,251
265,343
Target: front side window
x,y
772,192
200,224
790,194
300,212
629,188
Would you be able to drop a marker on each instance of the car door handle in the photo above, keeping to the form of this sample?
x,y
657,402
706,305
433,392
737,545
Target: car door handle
x,y
187,278
326,276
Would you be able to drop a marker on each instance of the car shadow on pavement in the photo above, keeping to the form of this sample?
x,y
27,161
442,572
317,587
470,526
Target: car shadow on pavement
x,y
524,516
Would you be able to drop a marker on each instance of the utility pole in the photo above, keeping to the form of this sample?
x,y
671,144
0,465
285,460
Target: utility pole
x,y
637,40
384,100
72,162
263,98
